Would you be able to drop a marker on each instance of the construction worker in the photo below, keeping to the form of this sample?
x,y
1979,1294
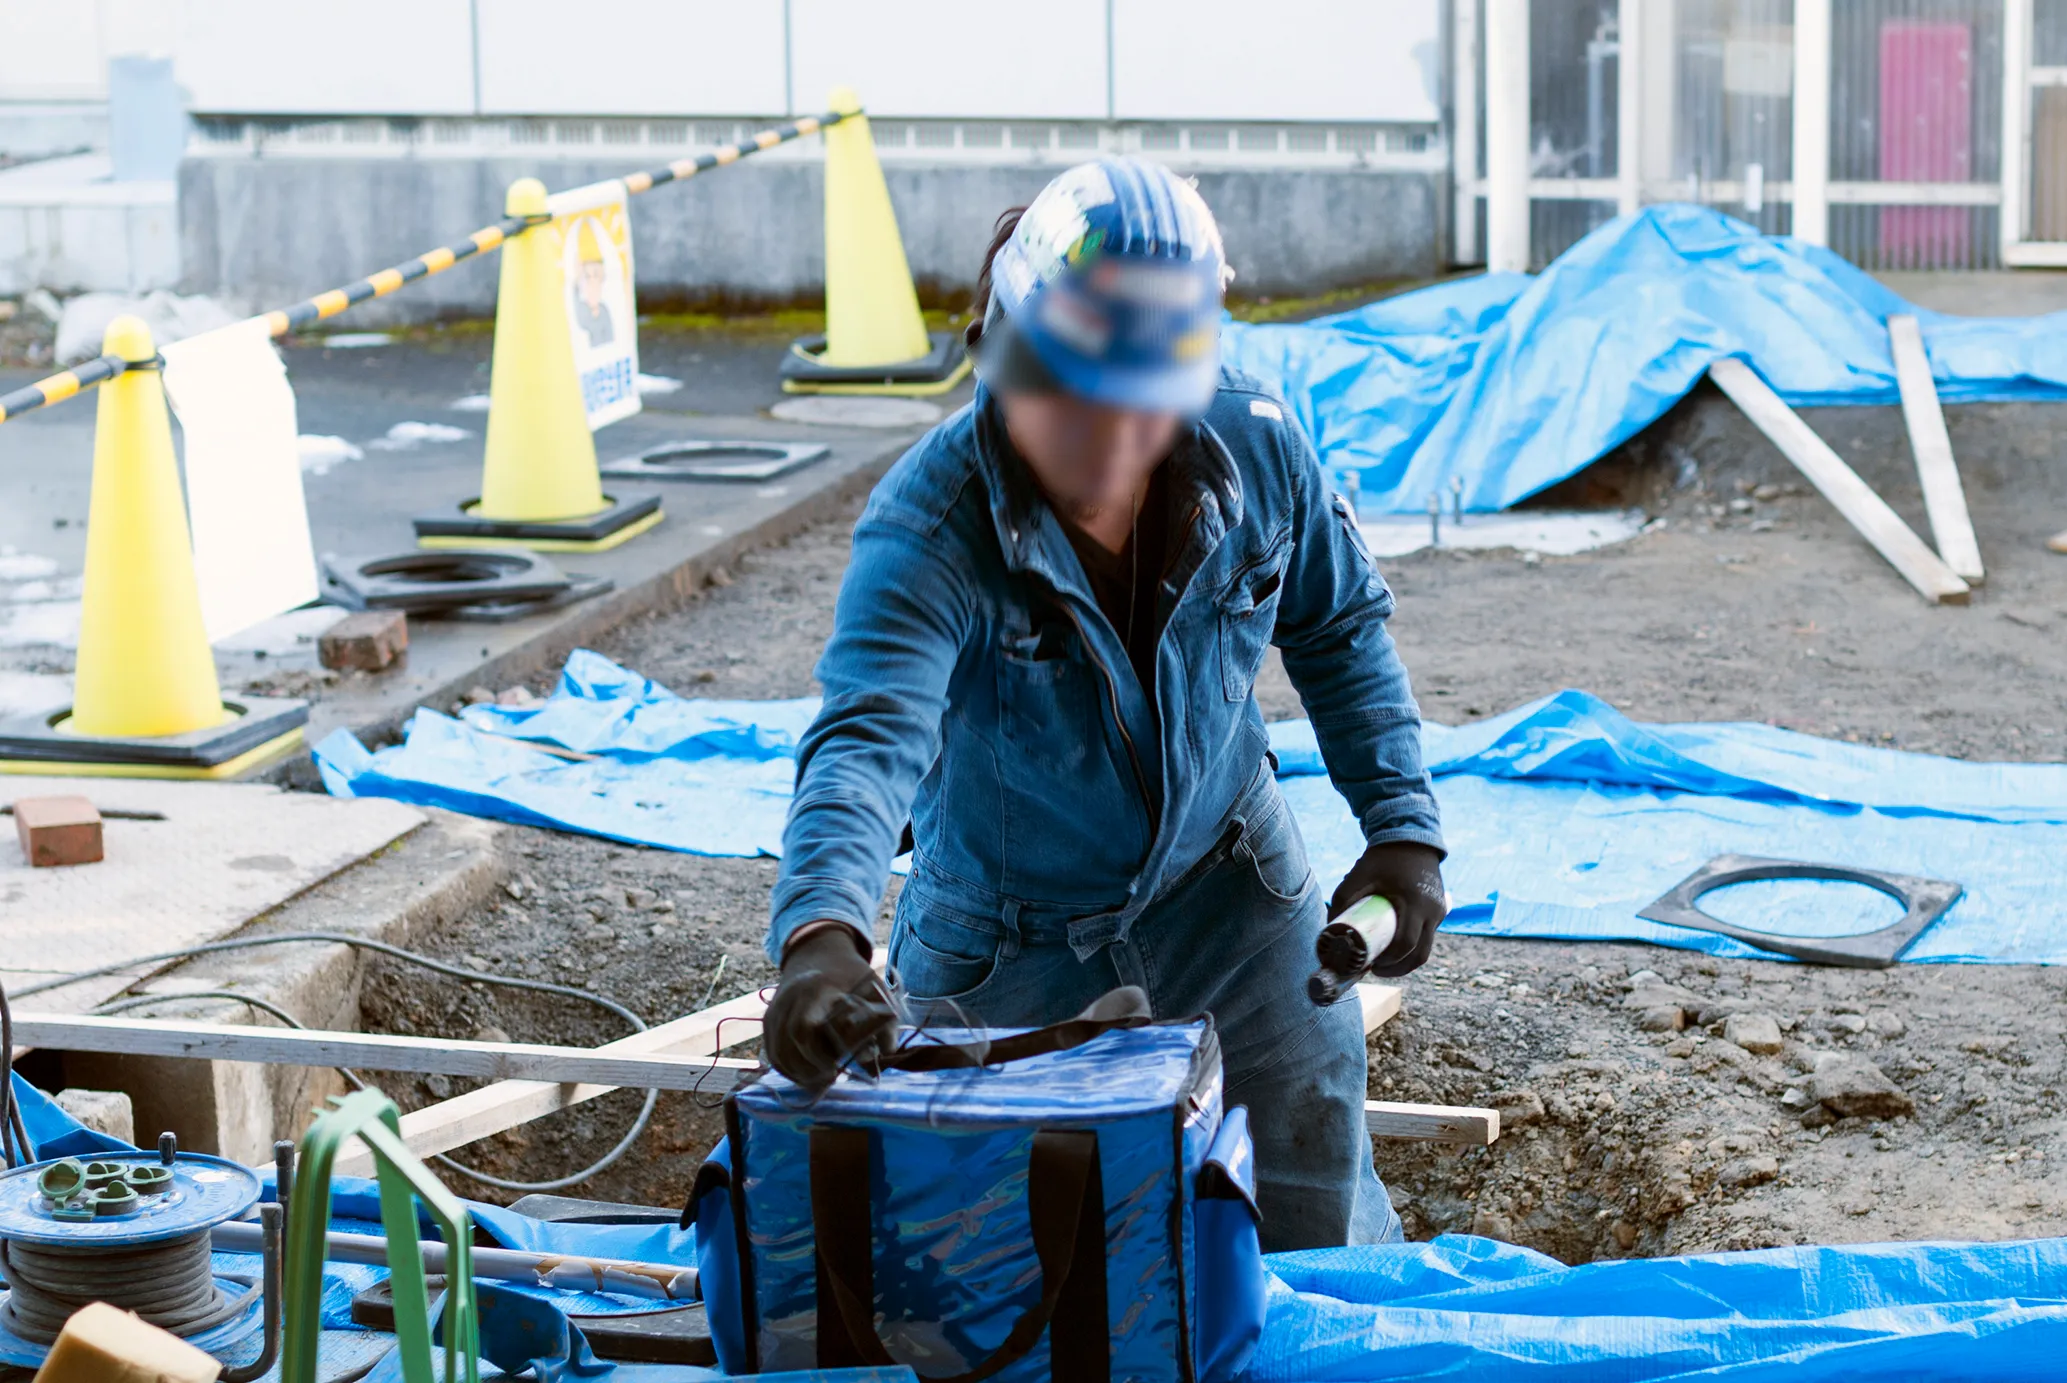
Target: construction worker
x,y
1043,659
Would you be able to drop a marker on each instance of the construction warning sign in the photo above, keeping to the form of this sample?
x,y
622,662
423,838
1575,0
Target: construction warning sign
x,y
596,259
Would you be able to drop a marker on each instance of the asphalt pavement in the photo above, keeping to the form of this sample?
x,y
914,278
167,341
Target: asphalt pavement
x,y
407,418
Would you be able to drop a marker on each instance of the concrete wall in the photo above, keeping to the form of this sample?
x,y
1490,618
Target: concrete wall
x,y
262,233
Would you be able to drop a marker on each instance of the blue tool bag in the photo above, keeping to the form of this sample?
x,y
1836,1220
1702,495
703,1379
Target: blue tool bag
x,y
1069,1202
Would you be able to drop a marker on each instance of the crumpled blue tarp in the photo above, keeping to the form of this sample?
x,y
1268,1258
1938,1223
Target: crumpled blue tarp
x,y
1563,817
1512,383
1460,1307
706,777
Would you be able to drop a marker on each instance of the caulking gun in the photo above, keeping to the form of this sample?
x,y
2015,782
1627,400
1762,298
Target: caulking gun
x,y
1347,946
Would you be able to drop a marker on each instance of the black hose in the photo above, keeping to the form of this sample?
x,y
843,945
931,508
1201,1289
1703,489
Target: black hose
x,y
600,1165
9,1116
638,1024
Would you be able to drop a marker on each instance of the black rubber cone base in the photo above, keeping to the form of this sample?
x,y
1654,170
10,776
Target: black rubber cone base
x,y
626,517
939,370
260,729
1924,901
426,582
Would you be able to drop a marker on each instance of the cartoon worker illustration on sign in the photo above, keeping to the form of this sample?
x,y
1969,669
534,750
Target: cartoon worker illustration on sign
x,y
591,308
602,320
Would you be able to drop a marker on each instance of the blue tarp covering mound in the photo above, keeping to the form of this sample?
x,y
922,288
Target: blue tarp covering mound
x,y
1478,1309
1563,817
1512,383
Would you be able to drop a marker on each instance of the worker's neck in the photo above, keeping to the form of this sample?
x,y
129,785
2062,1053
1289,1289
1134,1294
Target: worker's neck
x,y
1108,522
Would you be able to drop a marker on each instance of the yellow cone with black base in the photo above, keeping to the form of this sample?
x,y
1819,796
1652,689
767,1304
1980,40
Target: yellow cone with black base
x,y
539,484
145,702
875,339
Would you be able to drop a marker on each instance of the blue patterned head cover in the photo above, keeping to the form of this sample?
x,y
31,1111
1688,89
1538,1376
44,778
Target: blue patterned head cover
x,y
1114,278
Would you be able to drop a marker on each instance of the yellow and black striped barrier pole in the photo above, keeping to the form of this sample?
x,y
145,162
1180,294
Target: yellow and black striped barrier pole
x,y
101,369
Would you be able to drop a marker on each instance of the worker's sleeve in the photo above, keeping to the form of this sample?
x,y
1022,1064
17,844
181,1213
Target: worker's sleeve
x,y
897,632
1331,631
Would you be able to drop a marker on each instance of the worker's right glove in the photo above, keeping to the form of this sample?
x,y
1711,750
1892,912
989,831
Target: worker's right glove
x,y
831,1009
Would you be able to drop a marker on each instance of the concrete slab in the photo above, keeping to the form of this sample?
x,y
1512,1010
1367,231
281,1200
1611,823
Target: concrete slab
x,y
221,855
420,883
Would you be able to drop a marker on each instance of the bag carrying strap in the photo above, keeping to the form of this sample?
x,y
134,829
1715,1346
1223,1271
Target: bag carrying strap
x,y
1066,1210
1121,1008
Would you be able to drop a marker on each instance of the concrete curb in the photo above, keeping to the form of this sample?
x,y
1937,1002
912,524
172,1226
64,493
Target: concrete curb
x,y
584,623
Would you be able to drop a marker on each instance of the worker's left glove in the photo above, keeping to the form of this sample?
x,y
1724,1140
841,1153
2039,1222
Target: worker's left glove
x,y
1410,877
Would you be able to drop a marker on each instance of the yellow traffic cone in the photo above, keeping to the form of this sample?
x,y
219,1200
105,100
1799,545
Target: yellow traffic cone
x,y
539,484
145,700
875,339
144,665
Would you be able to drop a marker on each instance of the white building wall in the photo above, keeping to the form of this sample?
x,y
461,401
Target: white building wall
x,y
1192,60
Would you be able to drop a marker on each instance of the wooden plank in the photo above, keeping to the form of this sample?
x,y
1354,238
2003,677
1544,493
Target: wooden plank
x,y
1381,1002
1840,484
497,1108
1432,1123
375,1052
1943,498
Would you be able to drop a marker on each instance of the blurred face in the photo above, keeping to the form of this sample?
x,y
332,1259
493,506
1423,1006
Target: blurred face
x,y
1089,458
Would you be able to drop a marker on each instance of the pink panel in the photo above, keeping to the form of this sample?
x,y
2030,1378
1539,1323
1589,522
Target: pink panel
x,y
1926,135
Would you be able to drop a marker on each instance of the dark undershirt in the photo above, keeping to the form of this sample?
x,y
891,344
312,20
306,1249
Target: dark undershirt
x,y
1126,583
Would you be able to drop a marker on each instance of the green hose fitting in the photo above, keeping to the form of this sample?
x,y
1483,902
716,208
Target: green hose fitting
x,y
103,1173
150,1179
61,1181
115,1198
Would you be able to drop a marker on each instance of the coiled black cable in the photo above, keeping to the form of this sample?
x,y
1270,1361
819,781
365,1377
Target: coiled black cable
x,y
169,1283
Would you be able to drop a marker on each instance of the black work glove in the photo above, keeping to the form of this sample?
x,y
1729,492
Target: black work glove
x,y
829,1009
1410,877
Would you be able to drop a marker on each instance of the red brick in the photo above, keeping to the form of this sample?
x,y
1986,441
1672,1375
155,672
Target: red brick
x,y
58,830
365,642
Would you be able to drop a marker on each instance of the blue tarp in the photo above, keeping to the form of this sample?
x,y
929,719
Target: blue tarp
x,y
1462,1307
1474,1308
1563,817
1512,383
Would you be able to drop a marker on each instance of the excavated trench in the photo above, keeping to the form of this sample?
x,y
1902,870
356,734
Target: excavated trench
x,y
1921,1102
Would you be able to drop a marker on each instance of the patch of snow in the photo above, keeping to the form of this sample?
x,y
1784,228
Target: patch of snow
x,y
410,436
25,566
472,403
658,384
54,622
357,340
319,452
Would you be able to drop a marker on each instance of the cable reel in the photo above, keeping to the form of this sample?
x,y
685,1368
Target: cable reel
x,y
131,1229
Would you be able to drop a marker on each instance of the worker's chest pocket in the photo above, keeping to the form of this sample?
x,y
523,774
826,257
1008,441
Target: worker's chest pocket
x,y
1248,618
1047,698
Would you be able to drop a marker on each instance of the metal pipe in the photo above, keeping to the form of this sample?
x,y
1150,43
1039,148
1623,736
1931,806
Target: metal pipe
x,y
653,1281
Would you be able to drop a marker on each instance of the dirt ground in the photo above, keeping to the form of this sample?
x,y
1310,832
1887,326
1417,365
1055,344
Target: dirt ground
x,y
1649,1105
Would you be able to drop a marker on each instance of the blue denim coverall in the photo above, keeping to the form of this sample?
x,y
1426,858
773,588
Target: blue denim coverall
x,y
1070,838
